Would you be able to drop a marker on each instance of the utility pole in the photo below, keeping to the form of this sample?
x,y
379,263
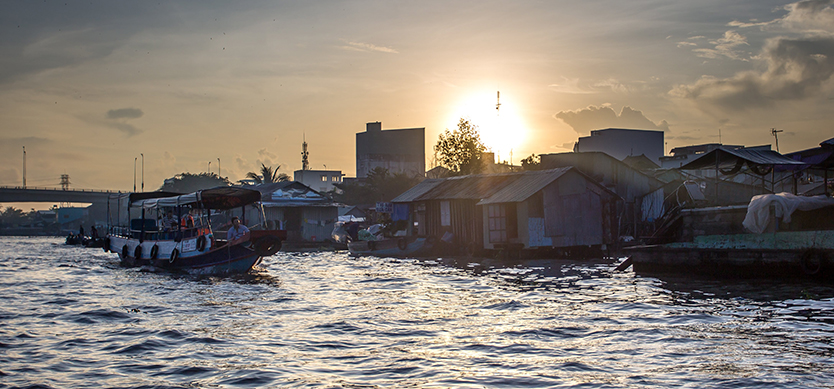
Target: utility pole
x,y
134,173
774,132
218,166
24,167
143,171
209,167
498,103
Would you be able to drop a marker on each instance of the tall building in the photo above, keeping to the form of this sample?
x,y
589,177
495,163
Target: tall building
x,y
620,143
399,151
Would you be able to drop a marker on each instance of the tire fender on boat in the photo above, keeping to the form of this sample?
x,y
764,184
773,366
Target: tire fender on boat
x,y
106,245
402,244
154,251
137,253
174,256
812,261
201,243
125,251
267,245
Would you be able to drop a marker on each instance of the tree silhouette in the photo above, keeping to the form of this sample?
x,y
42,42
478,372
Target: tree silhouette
x,y
460,150
188,182
268,175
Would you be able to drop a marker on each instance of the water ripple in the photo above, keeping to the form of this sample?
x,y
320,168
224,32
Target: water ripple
x,y
73,318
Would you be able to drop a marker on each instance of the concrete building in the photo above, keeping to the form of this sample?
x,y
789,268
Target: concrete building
x,y
319,180
620,143
399,151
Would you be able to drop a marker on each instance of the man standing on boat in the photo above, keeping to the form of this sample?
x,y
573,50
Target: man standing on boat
x,y
238,233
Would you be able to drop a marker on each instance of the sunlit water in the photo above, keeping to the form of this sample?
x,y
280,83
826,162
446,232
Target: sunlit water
x,y
72,318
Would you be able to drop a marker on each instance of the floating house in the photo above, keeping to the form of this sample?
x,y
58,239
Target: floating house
x,y
642,194
548,209
306,214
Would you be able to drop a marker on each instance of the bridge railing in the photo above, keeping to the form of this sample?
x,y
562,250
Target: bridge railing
x,y
61,190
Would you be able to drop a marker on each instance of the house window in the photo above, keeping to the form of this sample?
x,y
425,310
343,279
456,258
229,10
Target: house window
x,y
445,214
497,218
323,178
502,223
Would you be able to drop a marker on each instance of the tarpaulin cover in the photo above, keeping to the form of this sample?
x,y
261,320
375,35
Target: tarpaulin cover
x,y
215,198
758,211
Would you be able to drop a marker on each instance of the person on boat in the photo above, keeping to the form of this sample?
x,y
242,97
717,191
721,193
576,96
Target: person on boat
x,y
187,220
81,230
237,233
93,232
169,222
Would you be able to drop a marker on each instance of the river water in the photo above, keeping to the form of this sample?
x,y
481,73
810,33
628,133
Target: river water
x,y
73,318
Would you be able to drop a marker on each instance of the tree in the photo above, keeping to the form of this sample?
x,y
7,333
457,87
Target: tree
x,y
460,150
533,162
268,175
188,182
13,216
380,185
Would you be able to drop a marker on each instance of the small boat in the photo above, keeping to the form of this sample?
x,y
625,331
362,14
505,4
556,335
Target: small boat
x,y
393,247
137,233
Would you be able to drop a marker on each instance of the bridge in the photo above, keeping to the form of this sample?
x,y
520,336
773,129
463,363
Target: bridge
x,y
19,194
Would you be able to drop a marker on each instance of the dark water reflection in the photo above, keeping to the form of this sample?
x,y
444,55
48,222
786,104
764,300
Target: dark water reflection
x,y
73,318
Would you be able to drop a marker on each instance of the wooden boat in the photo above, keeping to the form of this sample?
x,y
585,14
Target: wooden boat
x,y
393,247
780,235
134,232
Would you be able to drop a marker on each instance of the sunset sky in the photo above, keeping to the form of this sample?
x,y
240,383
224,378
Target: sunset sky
x,y
86,86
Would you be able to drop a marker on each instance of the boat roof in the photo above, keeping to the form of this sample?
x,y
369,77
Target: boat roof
x,y
223,197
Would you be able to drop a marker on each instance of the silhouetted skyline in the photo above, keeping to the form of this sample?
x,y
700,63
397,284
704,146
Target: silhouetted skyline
x,y
88,86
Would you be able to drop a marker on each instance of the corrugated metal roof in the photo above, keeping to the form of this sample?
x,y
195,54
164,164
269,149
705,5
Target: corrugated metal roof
x,y
472,187
417,190
527,184
731,157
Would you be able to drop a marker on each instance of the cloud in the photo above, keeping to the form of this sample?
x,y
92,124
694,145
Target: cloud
x,y
118,120
810,17
125,113
796,69
724,47
593,118
572,86
266,158
366,47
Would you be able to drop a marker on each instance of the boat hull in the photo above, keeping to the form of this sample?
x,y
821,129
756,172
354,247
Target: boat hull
x,y
184,257
797,253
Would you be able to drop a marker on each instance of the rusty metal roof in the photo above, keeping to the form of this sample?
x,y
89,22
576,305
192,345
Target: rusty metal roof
x,y
471,187
527,184
488,188
731,157
417,190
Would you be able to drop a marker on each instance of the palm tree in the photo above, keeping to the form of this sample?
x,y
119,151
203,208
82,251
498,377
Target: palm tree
x,y
268,175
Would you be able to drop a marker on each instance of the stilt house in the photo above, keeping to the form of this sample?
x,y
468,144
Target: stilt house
x,y
555,208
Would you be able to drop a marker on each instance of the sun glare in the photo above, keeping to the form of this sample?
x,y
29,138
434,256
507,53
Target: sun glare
x,y
502,130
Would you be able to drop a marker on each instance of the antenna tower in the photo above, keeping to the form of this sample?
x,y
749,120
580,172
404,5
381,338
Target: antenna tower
x,y
775,132
305,164
498,103
65,182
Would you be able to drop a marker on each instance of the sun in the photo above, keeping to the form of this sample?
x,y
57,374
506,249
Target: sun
x,y
502,130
